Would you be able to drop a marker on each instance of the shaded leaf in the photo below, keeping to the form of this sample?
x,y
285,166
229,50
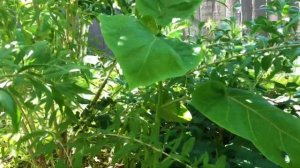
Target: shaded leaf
x,y
273,132
10,107
41,52
266,62
173,111
188,146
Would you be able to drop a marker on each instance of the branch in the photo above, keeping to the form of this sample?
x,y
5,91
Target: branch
x,y
98,94
249,53
174,101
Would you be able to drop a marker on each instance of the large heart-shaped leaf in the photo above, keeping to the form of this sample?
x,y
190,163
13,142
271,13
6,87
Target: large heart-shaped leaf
x,y
275,133
144,57
165,10
9,106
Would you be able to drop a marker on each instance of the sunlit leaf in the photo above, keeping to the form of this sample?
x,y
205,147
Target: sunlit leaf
x,y
144,57
273,132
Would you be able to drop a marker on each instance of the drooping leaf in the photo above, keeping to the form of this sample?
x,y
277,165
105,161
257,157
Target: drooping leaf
x,y
9,106
165,10
144,57
274,132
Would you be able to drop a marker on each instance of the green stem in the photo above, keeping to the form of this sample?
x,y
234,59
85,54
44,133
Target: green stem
x,y
156,128
98,94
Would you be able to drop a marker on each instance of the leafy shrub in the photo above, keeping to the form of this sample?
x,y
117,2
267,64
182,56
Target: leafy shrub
x,y
230,98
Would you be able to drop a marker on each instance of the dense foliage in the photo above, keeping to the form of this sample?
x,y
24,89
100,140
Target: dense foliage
x,y
226,97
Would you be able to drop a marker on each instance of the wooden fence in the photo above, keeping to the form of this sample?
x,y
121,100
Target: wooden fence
x,y
210,9
243,10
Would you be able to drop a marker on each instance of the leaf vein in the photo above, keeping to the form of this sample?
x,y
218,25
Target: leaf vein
x,y
266,119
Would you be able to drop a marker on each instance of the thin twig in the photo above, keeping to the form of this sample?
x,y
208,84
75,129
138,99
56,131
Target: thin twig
x,y
98,94
174,101
249,53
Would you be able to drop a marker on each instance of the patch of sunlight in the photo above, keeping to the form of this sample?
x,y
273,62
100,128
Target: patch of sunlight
x,y
30,53
280,30
296,69
187,116
1,164
197,50
287,159
116,6
249,101
5,84
175,20
135,91
91,59
74,70
123,38
7,46
120,43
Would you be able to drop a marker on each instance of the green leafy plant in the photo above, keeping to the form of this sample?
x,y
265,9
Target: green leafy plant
x,y
226,97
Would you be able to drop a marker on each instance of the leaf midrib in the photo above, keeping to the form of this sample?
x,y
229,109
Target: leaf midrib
x,y
264,118
147,56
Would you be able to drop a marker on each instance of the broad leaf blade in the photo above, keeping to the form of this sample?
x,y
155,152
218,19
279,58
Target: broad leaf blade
x,y
9,106
165,10
144,57
273,132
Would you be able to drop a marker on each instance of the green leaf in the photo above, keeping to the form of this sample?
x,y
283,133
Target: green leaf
x,y
274,132
165,10
78,157
188,146
221,162
171,111
41,52
266,62
144,57
44,148
70,114
10,107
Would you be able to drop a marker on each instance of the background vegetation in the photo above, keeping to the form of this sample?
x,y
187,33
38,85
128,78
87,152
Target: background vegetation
x,y
225,97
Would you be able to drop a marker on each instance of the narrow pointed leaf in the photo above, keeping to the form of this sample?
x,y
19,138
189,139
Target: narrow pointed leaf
x,y
165,10
9,106
275,133
144,57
